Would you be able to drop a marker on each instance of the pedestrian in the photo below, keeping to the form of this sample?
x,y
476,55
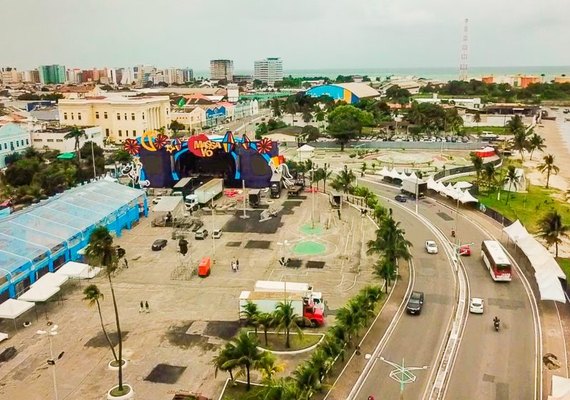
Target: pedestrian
x,y
237,264
233,266
126,263
146,306
141,309
338,211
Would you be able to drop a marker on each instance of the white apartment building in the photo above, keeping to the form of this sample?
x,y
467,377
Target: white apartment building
x,y
54,139
233,92
190,117
10,75
13,138
119,117
269,70
222,69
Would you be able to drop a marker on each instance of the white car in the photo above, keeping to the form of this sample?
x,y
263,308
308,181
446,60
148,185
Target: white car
x,y
217,234
431,247
476,305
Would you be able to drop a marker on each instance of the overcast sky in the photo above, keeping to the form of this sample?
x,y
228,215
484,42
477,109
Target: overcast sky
x,y
306,34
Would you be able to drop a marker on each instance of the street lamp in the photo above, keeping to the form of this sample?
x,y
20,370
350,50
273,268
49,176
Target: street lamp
x,y
213,228
93,157
402,374
51,361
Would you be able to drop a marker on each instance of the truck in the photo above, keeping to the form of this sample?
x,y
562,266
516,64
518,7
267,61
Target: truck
x,y
267,303
183,187
254,197
301,288
205,193
275,185
413,185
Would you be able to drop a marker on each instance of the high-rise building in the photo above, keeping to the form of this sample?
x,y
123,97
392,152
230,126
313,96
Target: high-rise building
x,y
222,69
269,70
32,76
187,75
10,75
52,74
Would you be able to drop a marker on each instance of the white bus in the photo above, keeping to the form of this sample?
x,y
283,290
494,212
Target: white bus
x,y
496,260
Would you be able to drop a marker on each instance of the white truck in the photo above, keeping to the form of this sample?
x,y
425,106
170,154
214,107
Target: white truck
x,y
205,193
413,185
267,303
300,288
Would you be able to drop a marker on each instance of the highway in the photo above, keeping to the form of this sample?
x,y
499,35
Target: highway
x,y
489,364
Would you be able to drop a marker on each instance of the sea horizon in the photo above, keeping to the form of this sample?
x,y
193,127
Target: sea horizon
x,y
436,73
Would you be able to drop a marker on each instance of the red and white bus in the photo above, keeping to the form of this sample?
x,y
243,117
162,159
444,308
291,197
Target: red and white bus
x,y
496,260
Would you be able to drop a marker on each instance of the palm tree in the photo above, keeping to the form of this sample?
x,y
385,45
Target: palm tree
x,y
244,354
332,346
477,164
549,167
286,319
513,179
101,251
76,134
477,119
326,175
390,241
93,295
363,169
322,362
552,229
307,378
340,333
386,270
371,295
268,366
265,320
490,174
222,358
343,181
281,389
536,142
250,312
515,125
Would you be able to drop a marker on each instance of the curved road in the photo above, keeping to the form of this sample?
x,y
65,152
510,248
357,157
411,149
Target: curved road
x,y
489,364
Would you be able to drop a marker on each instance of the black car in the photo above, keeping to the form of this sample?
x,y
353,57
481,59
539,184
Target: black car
x,y
415,303
197,225
159,244
401,198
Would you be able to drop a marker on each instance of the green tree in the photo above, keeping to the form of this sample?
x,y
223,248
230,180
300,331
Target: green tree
x,y
251,313
398,95
363,168
520,142
265,321
535,142
386,270
176,126
351,318
310,133
515,125
122,156
477,119
242,352
548,167
513,179
261,130
490,173
343,181
101,252
276,107
346,122
268,366
76,134
390,241
221,361
93,295
552,229
21,173
322,362
477,164
307,378
286,320
453,120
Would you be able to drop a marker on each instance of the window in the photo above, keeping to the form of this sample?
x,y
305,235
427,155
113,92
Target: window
x,y
50,140
5,146
133,116
143,115
125,116
38,140
72,116
105,115
59,140
79,116
134,133
64,115
118,116
107,132
27,141
97,114
126,132
120,132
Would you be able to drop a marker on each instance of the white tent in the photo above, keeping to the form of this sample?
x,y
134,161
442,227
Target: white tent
x,y
431,184
384,171
168,204
560,388
549,286
12,308
51,279
467,198
305,152
515,231
462,185
39,294
77,270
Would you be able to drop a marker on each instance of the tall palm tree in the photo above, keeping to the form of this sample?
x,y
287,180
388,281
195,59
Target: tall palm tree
x,y
535,142
332,346
371,295
477,119
265,320
307,378
478,165
286,320
322,362
549,167
390,241
326,175
244,354
520,142
281,389
386,270
490,174
513,179
343,181
250,312
100,251
515,125
76,134
221,359
93,295
552,229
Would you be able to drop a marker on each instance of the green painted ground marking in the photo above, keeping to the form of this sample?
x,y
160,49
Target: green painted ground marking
x,y
309,248
308,229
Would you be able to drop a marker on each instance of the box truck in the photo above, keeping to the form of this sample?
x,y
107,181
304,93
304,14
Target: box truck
x,y
301,288
267,303
205,193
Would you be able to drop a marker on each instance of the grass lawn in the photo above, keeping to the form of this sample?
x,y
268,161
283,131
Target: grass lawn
x,y
498,130
239,392
276,341
528,207
564,264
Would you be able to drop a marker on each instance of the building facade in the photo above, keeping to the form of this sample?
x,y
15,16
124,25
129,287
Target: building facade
x,y
190,117
10,75
222,69
52,74
119,117
54,139
269,70
14,138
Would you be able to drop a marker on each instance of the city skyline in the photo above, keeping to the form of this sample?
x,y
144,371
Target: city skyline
x,y
314,35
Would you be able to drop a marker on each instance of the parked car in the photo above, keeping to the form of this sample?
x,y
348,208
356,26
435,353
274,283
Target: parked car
x,y
201,234
476,305
431,247
197,225
401,198
415,303
159,244
465,250
217,233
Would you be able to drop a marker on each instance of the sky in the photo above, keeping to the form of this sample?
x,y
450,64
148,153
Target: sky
x,y
306,34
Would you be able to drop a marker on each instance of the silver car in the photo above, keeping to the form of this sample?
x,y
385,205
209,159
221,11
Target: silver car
x,y
476,305
431,247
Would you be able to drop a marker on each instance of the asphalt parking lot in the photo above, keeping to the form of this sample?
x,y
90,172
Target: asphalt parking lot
x,y
171,347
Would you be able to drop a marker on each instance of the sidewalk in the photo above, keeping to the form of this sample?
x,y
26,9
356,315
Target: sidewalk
x,y
357,363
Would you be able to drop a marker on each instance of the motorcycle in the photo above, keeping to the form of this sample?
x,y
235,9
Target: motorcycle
x,y
497,323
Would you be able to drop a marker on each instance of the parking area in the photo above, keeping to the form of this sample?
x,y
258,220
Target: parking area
x,y
171,347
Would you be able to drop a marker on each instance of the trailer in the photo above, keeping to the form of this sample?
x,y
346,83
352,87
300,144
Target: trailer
x,y
413,186
183,187
267,302
301,288
205,193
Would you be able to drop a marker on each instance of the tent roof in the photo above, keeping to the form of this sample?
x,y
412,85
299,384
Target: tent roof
x,y
51,279
462,185
66,156
12,308
305,148
560,388
467,198
168,204
39,294
515,231
77,270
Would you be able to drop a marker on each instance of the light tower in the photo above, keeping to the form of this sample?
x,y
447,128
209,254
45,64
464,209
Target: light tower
x,y
464,52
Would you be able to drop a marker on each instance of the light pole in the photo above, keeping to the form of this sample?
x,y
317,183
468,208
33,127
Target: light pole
x,y
312,200
93,157
51,361
402,374
213,228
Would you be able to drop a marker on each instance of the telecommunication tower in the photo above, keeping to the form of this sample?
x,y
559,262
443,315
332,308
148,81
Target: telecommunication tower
x,y
464,52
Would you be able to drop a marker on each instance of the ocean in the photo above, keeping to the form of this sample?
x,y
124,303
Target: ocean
x,y
441,73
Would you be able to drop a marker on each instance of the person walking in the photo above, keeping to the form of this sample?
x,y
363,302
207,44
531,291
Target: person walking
x,y
237,264
141,309
147,307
